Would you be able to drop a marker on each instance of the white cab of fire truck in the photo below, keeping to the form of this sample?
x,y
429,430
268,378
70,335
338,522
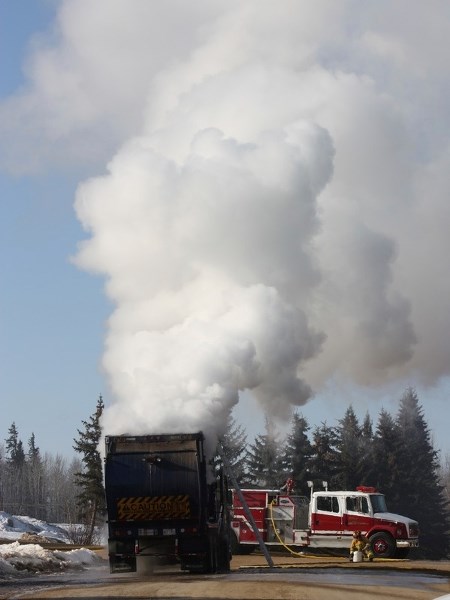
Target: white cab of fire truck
x,y
336,515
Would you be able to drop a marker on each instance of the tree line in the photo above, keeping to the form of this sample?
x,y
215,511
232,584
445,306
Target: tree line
x,y
51,488
40,486
396,456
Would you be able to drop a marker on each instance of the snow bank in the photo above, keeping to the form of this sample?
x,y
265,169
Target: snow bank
x,y
17,558
32,558
13,527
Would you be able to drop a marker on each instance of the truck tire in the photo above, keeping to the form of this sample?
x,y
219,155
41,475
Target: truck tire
x,y
223,555
383,545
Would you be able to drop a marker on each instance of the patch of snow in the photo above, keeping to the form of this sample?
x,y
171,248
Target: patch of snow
x,y
12,527
17,558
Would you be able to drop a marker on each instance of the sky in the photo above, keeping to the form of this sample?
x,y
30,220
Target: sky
x,y
216,207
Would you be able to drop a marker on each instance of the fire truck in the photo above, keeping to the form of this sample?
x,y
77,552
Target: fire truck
x,y
325,520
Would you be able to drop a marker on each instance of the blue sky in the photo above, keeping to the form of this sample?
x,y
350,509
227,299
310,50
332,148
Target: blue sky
x,y
52,314
355,136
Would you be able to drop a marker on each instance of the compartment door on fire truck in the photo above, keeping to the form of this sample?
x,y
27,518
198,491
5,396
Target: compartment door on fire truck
x,y
326,516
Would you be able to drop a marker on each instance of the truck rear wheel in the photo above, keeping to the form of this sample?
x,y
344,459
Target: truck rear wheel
x,y
383,545
223,555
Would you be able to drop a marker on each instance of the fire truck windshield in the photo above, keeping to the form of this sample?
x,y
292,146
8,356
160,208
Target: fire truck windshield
x,y
378,503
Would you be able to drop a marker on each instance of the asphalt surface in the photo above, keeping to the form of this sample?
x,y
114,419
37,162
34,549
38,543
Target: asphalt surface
x,y
292,578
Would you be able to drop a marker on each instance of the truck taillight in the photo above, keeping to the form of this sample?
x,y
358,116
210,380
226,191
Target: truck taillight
x,y
188,530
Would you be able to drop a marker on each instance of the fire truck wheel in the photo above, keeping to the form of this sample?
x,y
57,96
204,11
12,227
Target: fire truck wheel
x,y
383,545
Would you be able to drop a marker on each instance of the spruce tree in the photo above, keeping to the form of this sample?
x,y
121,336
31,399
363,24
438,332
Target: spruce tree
x,y
355,451
297,454
386,477
14,483
367,463
35,480
234,443
422,495
264,459
444,476
14,448
324,460
348,444
91,499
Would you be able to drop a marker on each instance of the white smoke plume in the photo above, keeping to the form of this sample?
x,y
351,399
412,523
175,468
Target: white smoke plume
x,y
200,254
276,211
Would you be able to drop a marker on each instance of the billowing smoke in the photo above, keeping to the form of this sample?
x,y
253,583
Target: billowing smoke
x,y
209,263
276,211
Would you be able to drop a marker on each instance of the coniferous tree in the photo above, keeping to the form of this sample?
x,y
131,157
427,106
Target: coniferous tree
x,y
14,448
35,480
324,460
264,459
297,454
444,477
367,452
348,443
14,476
234,443
386,477
91,499
355,451
422,496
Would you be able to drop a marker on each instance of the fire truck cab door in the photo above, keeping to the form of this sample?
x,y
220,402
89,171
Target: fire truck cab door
x,y
357,514
327,514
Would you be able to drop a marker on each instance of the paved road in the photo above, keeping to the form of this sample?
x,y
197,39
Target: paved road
x,y
250,579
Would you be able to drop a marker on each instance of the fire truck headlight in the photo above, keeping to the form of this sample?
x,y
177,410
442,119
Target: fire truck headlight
x,y
401,530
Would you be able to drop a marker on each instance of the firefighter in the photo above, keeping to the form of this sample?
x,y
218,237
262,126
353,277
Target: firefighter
x,y
288,486
361,543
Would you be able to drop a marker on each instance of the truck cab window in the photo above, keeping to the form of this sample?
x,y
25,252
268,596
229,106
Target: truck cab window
x,y
350,504
357,504
378,503
328,504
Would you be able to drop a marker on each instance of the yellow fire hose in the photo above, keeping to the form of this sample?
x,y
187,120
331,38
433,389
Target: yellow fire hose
x,y
278,536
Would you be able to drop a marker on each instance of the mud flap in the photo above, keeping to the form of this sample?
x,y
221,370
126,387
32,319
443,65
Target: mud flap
x,y
122,564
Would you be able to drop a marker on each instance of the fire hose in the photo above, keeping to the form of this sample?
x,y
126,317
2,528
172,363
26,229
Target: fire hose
x,y
278,535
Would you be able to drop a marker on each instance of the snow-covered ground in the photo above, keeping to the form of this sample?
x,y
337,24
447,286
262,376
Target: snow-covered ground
x,y
17,558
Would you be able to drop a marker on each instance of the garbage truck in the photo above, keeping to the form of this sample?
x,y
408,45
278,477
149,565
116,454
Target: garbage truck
x,y
325,519
163,502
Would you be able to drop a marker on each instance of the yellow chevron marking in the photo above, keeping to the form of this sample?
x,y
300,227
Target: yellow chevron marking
x,y
153,507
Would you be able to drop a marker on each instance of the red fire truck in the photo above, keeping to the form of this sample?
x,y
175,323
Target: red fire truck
x,y
325,520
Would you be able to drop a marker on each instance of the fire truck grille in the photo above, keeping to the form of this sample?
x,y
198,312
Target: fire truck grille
x,y
413,530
